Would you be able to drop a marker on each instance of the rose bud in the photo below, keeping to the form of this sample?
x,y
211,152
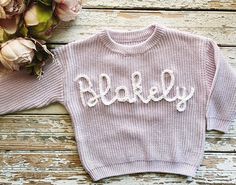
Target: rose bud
x,y
4,2
10,11
10,8
68,10
10,25
40,21
17,52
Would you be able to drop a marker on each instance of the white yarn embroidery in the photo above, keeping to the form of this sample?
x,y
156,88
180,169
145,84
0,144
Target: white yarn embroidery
x,y
136,81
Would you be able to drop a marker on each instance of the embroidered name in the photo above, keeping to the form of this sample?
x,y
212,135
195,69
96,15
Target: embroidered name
x,y
122,93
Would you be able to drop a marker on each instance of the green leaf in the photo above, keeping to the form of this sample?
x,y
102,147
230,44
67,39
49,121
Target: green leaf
x,y
27,2
47,21
1,35
39,56
39,28
30,65
38,70
44,13
44,30
4,36
23,30
46,2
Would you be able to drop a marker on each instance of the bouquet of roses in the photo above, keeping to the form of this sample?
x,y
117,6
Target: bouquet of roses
x,y
26,25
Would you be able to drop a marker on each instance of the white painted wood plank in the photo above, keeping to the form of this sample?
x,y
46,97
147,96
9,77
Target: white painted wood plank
x,y
162,4
220,26
51,167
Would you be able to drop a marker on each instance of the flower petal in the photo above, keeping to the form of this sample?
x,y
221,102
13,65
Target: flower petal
x,y
2,13
31,18
27,43
10,25
4,2
8,64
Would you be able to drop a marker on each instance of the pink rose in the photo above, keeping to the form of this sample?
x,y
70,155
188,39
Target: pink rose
x,y
10,8
17,52
67,10
10,11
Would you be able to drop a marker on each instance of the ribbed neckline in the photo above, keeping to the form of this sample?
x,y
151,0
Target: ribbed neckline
x,y
147,37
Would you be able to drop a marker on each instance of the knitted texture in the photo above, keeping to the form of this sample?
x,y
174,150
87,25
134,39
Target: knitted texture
x,y
140,101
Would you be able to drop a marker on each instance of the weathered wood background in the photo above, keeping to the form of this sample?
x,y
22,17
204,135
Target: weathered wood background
x,y
38,146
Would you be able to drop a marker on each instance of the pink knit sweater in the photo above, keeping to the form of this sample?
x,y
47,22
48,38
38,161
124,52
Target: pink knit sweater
x,y
140,101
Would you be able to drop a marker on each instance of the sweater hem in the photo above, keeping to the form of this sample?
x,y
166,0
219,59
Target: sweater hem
x,y
218,124
142,167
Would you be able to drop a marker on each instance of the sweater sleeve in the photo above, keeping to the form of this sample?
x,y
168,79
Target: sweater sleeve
x,y
21,91
221,81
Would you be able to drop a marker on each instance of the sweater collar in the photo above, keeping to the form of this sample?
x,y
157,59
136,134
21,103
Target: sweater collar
x,y
133,42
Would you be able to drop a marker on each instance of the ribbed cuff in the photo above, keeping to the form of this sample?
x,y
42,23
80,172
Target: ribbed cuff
x,y
143,167
218,124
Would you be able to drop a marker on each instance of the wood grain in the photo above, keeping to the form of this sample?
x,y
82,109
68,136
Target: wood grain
x,y
30,177
160,4
54,167
220,26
